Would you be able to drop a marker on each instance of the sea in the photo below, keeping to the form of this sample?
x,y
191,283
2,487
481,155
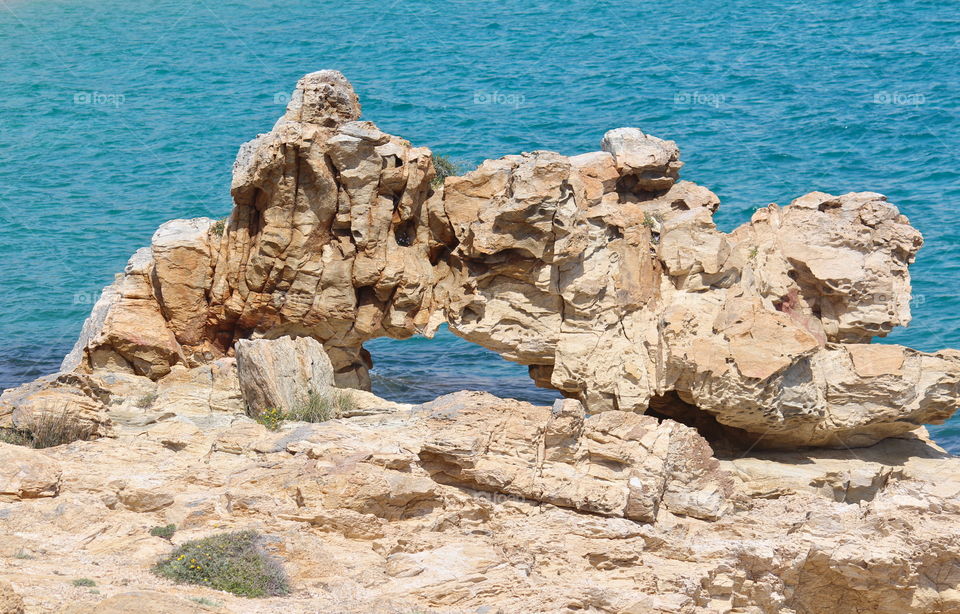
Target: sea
x,y
117,115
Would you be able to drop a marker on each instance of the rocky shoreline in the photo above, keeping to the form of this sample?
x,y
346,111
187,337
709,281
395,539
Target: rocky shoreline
x,y
730,440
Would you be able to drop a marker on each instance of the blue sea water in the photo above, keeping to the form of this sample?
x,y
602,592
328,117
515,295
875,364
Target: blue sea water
x,y
118,115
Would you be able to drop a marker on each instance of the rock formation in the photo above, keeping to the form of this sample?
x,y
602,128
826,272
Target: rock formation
x,y
476,504
282,373
617,464
602,272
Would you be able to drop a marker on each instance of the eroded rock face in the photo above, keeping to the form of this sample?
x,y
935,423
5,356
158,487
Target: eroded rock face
x,y
616,464
473,503
603,273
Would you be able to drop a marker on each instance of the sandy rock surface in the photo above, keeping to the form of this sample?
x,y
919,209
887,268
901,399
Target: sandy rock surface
x,y
477,504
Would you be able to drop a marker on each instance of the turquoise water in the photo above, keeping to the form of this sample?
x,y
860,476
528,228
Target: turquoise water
x,y
116,116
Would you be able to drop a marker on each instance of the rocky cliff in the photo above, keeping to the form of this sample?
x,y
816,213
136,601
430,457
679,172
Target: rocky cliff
x,y
602,272
682,352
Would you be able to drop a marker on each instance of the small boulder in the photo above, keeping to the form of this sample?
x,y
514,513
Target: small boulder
x,y
654,163
27,474
282,373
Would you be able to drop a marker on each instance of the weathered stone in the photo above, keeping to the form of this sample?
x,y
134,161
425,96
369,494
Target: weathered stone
x,y
212,387
282,373
365,522
10,601
603,273
615,464
144,602
27,474
183,256
652,163
143,499
71,399
127,330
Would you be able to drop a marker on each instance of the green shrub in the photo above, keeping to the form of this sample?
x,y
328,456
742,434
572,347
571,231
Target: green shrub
x,y
147,400
14,437
233,562
272,418
318,407
205,601
166,532
322,407
218,227
84,582
49,429
443,167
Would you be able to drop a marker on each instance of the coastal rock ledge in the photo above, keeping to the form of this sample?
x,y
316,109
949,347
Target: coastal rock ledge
x,y
730,439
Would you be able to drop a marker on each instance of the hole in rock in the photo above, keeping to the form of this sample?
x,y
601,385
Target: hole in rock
x,y
405,233
418,370
725,440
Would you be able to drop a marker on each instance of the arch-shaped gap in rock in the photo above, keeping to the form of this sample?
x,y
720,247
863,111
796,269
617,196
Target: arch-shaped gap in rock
x,y
418,369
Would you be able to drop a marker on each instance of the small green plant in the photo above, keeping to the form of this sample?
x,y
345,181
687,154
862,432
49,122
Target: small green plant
x,y
49,429
207,602
14,437
317,407
754,251
166,532
218,227
233,562
23,555
147,400
272,418
84,582
322,407
650,221
443,167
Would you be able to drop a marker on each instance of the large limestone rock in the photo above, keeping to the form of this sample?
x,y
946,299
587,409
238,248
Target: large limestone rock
x,y
616,464
282,373
603,273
